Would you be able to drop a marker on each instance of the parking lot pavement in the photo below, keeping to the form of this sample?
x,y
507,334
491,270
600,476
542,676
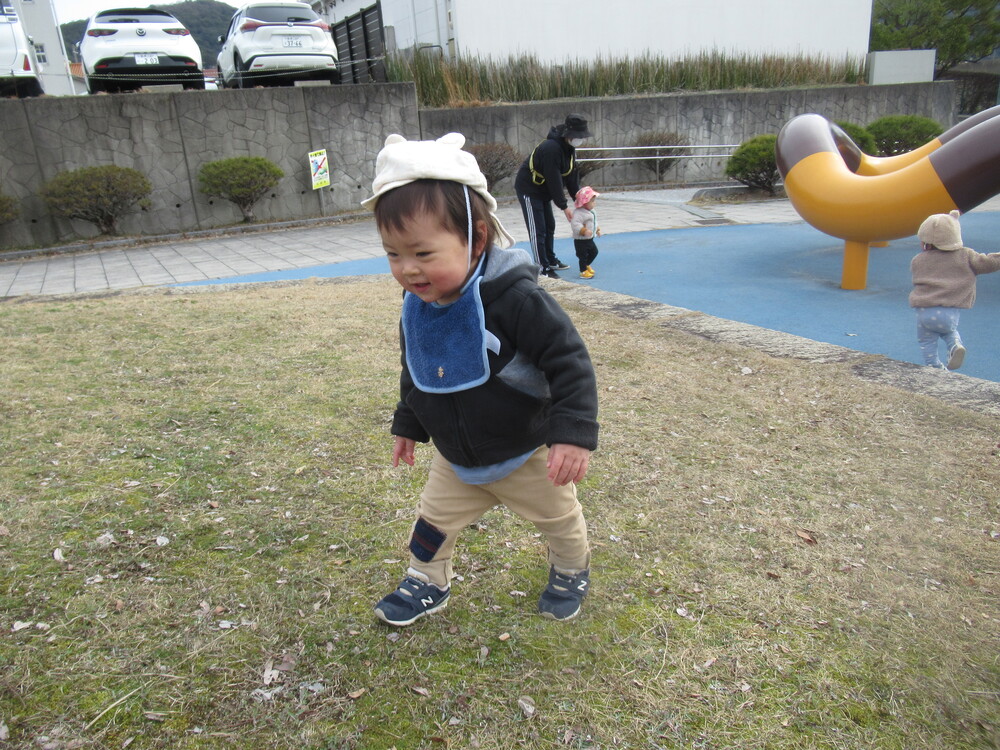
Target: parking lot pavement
x,y
177,261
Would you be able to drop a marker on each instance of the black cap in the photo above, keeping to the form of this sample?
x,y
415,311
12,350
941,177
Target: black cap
x,y
576,127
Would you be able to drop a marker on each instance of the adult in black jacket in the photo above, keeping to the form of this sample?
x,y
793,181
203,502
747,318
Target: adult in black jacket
x,y
543,179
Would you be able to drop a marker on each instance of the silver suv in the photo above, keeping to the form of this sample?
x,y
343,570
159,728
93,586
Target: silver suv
x,y
274,44
18,66
127,48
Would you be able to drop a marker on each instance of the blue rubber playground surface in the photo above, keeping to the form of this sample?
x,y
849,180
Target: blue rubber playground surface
x,y
780,276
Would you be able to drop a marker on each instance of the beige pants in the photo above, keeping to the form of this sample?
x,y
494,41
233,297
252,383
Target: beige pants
x,y
448,505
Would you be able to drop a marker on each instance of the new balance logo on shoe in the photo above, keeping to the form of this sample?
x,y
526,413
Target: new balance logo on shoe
x,y
427,601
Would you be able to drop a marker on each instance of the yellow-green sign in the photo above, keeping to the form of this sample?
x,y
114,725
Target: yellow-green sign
x,y
319,167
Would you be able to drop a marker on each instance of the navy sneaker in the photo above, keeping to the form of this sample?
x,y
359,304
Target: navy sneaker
x,y
560,266
563,596
550,272
415,597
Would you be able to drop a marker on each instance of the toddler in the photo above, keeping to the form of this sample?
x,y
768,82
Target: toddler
x,y
493,373
944,283
585,228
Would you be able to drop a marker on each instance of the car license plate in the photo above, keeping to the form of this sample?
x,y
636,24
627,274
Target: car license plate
x,y
141,59
292,41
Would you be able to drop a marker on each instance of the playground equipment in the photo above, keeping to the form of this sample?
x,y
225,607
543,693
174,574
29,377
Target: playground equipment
x,y
867,200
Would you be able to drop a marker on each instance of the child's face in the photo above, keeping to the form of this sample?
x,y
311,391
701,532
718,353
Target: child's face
x,y
428,259
589,205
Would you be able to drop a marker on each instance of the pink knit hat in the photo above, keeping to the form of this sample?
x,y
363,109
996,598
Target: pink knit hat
x,y
584,194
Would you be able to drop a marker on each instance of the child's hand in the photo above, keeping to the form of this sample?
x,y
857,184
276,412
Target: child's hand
x,y
598,231
567,463
584,232
403,449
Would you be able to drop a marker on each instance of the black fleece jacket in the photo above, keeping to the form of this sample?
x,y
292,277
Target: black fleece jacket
x,y
552,158
542,388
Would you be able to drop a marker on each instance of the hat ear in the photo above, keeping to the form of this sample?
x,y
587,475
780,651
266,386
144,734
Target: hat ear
x,y
394,138
955,213
452,139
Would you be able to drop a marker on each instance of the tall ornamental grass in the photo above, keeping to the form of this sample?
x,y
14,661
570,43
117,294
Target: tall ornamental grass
x,y
475,81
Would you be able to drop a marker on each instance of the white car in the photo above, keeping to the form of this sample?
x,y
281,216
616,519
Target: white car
x,y
18,66
128,48
276,43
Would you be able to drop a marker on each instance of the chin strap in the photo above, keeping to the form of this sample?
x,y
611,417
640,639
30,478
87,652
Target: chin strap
x,y
468,213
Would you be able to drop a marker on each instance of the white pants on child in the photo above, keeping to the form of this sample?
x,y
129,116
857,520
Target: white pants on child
x,y
935,323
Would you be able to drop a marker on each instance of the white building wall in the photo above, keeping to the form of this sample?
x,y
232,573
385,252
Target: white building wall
x,y
557,31
39,20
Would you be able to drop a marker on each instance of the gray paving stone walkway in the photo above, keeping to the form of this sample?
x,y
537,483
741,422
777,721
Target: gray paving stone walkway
x,y
173,261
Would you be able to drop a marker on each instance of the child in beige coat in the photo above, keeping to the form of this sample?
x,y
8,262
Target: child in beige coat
x,y
944,283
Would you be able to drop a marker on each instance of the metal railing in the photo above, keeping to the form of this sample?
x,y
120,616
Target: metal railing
x,y
672,152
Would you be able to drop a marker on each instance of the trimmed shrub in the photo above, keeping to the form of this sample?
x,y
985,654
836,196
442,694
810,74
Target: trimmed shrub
x,y
242,180
9,209
898,134
673,144
496,160
100,195
754,163
861,137
584,168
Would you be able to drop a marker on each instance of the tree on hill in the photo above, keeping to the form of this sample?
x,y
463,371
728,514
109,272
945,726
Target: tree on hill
x,y
205,19
960,30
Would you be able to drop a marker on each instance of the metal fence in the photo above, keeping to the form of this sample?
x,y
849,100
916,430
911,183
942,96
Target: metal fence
x,y
662,155
360,41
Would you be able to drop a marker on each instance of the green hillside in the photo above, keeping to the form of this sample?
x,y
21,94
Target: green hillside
x,y
206,20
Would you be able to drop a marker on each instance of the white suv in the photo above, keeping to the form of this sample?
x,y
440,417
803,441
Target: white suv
x,y
18,66
273,44
127,48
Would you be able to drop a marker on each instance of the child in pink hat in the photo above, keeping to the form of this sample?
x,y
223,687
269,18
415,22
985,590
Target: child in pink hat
x,y
585,228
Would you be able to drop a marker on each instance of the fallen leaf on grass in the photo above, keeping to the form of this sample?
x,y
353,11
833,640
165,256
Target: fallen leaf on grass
x,y
420,691
504,637
808,536
57,555
355,694
527,706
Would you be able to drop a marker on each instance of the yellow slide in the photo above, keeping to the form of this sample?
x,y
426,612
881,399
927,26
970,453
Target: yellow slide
x,y
864,199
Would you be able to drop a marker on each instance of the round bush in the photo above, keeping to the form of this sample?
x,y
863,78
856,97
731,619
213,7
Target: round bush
x,y
651,141
243,180
861,137
100,195
898,134
8,209
496,160
754,163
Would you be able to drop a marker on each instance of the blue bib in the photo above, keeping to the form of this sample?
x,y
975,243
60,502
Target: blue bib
x,y
446,345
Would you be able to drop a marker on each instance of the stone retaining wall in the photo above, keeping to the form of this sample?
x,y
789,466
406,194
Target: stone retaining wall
x,y
714,117
169,136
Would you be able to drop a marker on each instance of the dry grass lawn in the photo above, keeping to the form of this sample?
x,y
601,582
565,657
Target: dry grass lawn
x,y
197,514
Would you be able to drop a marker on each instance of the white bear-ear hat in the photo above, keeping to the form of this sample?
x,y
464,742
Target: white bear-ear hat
x,y
941,230
401,162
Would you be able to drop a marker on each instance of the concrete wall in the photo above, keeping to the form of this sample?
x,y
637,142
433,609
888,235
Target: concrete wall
x,y
715,117
169,136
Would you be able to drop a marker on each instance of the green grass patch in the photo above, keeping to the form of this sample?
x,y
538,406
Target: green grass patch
x,y
197,514
477,81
